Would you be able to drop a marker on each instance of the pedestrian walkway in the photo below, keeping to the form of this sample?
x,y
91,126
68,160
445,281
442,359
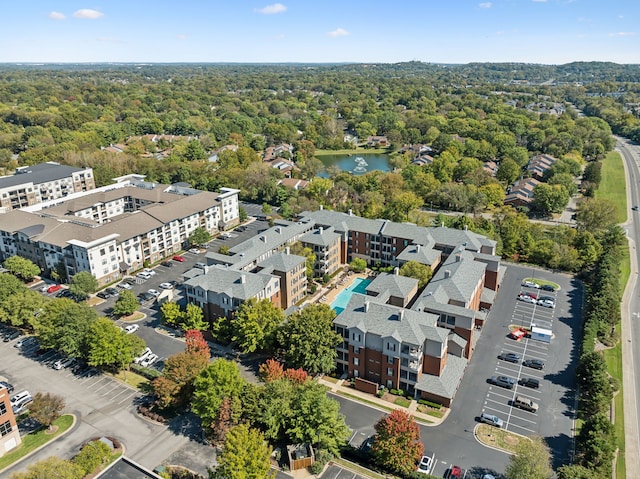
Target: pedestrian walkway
x,y
341,388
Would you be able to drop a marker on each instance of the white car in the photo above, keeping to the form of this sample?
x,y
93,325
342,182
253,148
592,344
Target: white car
x,y
547,303
154,292
63,363
166,285
530,284
149,360
132,328
194,251
144,275
124,285
149,271
147,351
426,463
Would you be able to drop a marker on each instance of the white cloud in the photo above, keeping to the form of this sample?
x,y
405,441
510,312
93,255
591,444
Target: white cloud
x,y
485,5
87,13
338,32
56,16
272,9
623,34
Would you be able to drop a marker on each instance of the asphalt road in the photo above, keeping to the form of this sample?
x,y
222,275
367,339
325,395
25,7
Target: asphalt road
x,y
453,441
631,317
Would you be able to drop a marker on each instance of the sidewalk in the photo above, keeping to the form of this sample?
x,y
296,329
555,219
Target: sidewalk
x,y
342,389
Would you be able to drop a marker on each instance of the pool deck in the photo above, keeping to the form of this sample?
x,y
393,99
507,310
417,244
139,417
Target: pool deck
x,y
328,293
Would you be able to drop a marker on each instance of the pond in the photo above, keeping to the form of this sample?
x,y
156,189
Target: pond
x,y
358,164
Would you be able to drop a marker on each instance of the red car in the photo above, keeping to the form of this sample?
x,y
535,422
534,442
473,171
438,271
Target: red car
x,y
53,288
455,473
518,334
178,258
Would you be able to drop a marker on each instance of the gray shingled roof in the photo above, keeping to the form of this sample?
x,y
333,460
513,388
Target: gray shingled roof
x,y
283,262
395,284
420,254
343,221
385,320
271,239
229,282
447,383
41,173
418,234
320,237
457,339
454,237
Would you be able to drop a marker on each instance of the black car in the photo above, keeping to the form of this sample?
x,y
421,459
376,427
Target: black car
x,y
167,264
529,382
112,291
145,297
4,384
503,381
533,363
548,287
510,357
103,295
10,336
65,293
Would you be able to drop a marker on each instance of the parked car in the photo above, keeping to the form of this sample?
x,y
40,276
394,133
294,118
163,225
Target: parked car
x,y
20,401
547,303
167,264
503,381
112,291
103,295
194,251
4,384
530,284
132,328
64,363
65,293
425,464
533,363
526,298
147,351
178,258
166,285
529,382
548,287
525,403
518,334
510,357
124,285
143,275
53,288
491,420
146,297
455,473
11,335
149,271
154,292
149,360
26,341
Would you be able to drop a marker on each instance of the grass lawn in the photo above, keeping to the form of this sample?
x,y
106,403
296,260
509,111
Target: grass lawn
x,y
613,357
359,399
625,267
492,436
32,441
330,379
360,151
133,317
132,379
613,186
542,282
404,402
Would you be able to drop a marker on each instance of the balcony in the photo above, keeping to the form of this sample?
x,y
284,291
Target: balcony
x,y
414,365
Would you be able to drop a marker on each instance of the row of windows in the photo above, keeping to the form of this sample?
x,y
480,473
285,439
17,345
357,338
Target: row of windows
x,y
5,428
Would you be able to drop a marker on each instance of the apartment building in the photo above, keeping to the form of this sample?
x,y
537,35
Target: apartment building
x,y
35,184
9,433
291,269
113,230
325,244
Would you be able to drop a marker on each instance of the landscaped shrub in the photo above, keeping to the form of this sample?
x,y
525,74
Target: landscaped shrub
x,y
397,392
92,455
425,402
148,373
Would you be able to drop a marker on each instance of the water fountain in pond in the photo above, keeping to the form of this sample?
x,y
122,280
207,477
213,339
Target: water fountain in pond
x,y
361,165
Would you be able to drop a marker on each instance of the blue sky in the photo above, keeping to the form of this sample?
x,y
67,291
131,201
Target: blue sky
x,y
442,31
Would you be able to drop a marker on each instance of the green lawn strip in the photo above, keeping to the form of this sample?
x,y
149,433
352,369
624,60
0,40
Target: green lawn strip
x,y
358,469
133,317
625,267
613,186
542,282
402,402
499,438
330,379
359,399
32,441
130,378
358,151
613,357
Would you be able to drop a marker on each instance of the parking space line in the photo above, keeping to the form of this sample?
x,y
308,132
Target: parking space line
x,y
129,396
520,427
108,383
98,381
115,386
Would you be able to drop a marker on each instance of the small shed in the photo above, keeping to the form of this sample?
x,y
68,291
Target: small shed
x,y
300,456
541,334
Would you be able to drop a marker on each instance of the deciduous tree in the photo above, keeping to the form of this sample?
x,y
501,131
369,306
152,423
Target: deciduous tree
x,y
193,318
64,325
196,344
255,325
419,271
111,347
245,455
397,445
220,379
83,284
309,340
171,313
531,460
358,265
175,386
46,408
22,267
126,304
49,468
199,237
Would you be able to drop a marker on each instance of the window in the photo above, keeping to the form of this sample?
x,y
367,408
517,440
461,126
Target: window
x,y
356,337
355,373
389,371
356,361
389,359
3,409
5,428
391,347
356,350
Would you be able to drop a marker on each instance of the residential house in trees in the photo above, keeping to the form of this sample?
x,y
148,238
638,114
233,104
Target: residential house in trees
x,y
521,192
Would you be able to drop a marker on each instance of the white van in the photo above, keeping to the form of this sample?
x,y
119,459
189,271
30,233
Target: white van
x,y
20,401
145,353
63,363
16,398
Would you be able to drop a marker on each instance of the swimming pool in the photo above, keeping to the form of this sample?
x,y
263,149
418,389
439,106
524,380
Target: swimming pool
x,y
359,285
